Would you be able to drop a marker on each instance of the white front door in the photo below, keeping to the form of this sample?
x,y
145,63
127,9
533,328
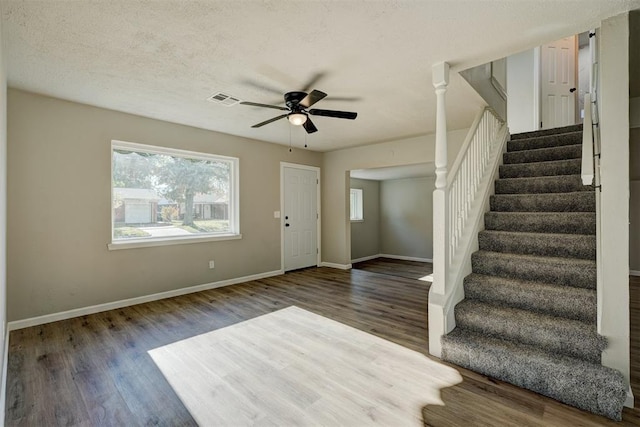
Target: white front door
x,y
558,83
300,217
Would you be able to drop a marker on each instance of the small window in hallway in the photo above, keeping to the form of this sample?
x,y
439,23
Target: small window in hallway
x,y
356,204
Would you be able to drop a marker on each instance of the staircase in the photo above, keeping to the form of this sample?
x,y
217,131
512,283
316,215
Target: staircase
x,y
529,317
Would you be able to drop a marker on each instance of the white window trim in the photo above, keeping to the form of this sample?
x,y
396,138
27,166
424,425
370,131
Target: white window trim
x,y
140,243
361,199
234,202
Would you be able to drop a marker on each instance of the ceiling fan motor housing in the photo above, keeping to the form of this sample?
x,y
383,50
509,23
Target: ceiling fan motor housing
x,y
292,99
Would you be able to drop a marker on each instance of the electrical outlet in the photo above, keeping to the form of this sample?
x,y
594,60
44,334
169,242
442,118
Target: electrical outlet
x,y
211,264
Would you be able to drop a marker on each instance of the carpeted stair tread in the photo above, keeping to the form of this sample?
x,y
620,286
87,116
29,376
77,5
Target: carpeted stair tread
x,y
558,335
545,141
542,222
581,246
588,386
548,298
543,154
580,273
579,201
541,184
543,132
550,168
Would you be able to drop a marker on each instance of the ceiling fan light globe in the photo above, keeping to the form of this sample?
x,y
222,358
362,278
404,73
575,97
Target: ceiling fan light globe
x,y
297,119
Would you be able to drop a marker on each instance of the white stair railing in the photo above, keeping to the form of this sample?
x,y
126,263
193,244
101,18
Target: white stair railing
x,y
459,201
467,174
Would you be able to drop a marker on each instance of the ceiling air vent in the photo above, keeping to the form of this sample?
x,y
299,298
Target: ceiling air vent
x,y
224,99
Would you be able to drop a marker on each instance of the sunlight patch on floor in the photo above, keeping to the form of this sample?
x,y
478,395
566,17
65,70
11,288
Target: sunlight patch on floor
x,y
294,367
427,278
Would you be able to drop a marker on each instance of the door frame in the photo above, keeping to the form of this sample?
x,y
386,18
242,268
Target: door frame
x,y
318,207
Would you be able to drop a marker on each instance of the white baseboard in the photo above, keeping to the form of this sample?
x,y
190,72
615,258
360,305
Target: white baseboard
x,y
630,400
366,258
406,258
77,312
634,273
334,265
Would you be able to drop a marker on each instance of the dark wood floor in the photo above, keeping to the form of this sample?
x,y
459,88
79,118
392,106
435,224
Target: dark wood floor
x,y
396,267
95,370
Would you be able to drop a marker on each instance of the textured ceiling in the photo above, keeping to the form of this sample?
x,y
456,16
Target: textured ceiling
x,y
162,59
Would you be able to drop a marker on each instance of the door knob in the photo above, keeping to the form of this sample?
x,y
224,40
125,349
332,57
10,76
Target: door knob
x,y
286,224
573,89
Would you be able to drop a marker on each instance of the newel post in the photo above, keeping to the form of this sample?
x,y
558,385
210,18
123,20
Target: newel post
x,y
440,246
437,293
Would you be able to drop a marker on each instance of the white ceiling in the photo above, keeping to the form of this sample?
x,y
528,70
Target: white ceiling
x,y
162,59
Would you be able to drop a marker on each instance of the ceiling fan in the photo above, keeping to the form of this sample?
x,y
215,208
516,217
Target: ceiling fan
x,y
298,110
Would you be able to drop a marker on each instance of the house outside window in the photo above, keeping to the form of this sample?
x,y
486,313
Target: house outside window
x,y
356,204
167,196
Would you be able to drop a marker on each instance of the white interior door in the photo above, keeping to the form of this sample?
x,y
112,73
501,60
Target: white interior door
x,y
558,83
300,218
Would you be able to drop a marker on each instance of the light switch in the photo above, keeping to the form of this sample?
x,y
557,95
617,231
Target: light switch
x,y
276,214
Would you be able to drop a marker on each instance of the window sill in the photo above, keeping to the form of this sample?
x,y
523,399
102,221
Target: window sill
x,y
357,220
142,243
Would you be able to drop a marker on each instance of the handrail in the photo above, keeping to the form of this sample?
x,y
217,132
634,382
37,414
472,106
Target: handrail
x,y
588,161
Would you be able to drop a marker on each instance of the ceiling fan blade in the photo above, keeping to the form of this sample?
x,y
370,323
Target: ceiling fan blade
x,y
255,104
344,98
266,122
333,113
309,126
262,86
312,82
312,98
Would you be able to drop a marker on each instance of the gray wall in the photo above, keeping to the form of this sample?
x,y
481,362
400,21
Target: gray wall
x,y
398,218
336,227
59,214
365,235
406,217
634,145
480,78
634,200
3,210
522,114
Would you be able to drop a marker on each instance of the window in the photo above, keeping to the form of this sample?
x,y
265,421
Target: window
x,y
166,196
356,204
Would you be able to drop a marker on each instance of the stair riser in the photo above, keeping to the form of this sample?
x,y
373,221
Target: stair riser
x,y
556,335
573,138
554,168
570,342
571,223
563,301
559,202
543,154
557,245
561,272
593,388
538,133
538,185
